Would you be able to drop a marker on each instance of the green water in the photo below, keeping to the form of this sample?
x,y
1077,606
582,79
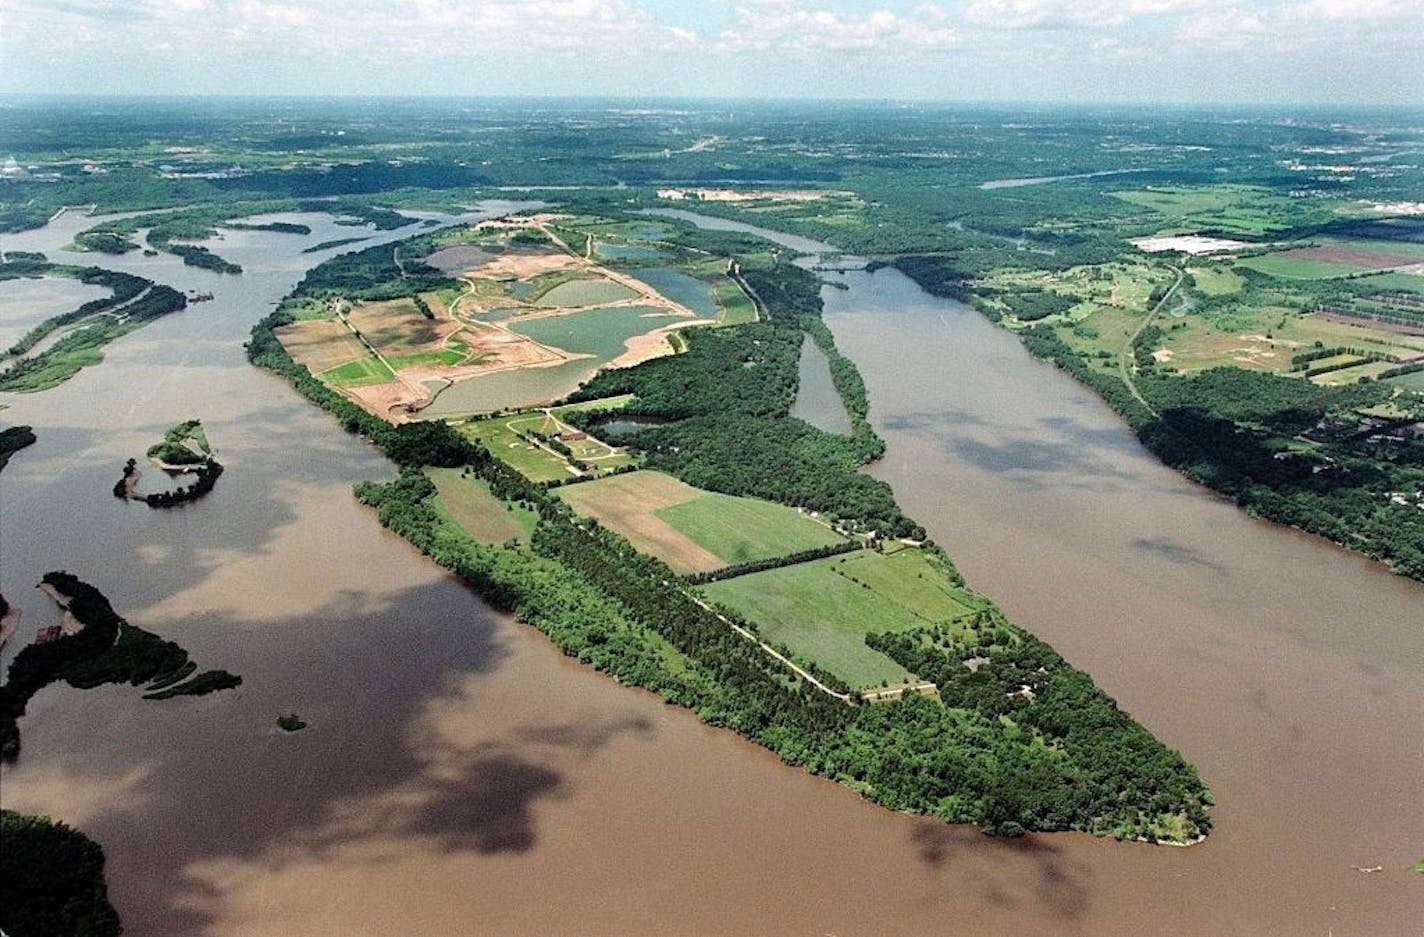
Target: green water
x,y
681,288
624,251
598,332
586,293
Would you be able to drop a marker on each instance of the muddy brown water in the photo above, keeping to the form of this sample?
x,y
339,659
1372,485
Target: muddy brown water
x,y
459,776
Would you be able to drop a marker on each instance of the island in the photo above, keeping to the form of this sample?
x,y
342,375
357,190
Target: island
x,y
664,519
56,349
93,646
183,450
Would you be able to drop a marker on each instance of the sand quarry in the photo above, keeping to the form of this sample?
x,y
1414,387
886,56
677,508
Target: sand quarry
x,y
409,358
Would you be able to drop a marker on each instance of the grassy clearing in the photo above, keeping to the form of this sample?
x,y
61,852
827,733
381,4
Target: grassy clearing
x,y
526,458
1394,282
368,370
447,357
1298,268
603,403
734,305
1217,281
913,580
1351,375
821,615
741,530
1413,381
466,501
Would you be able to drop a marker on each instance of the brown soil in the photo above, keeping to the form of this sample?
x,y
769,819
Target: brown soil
x,y
1357,257
320,344
524,266
395,327
625,503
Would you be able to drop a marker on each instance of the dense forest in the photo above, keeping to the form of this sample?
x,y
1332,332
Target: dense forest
x,y
52,881
724,408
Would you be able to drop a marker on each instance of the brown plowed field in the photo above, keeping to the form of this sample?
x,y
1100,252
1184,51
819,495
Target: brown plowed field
x,y
396,327
625,504
320,344
1355,257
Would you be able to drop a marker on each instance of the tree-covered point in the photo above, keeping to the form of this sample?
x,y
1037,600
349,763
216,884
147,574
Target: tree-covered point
x,y
135,303
51,881
125,287
968,758
12,440
105,649
384,271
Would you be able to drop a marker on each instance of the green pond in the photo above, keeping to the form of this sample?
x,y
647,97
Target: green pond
x,y
624,251
586,293
681,288
598,332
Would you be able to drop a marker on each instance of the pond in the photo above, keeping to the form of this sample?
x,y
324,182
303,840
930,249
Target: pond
x,y
681,288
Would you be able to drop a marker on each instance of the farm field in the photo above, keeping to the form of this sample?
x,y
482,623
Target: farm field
x,y
466,500
1293,265
367,370
822,610
1414,381
734,306
1233,210
693,530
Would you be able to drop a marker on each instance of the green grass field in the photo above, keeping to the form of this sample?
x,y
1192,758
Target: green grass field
x,y
1414,381
736,307
1298,268
448,357
740,530
367,370
1217,281
1232,209
822,610
534,463
468,503
1394,282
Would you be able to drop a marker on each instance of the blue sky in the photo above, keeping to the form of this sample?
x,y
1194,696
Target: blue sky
x,y
1188,51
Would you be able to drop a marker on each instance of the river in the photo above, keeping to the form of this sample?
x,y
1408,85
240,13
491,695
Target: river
x,y
459,776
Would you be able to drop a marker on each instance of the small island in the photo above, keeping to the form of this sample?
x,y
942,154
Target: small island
x,y
291,722
184,450
12,440
94,646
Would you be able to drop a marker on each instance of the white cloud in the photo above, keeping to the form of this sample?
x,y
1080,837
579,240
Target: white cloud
x,y
792,28
1071,14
